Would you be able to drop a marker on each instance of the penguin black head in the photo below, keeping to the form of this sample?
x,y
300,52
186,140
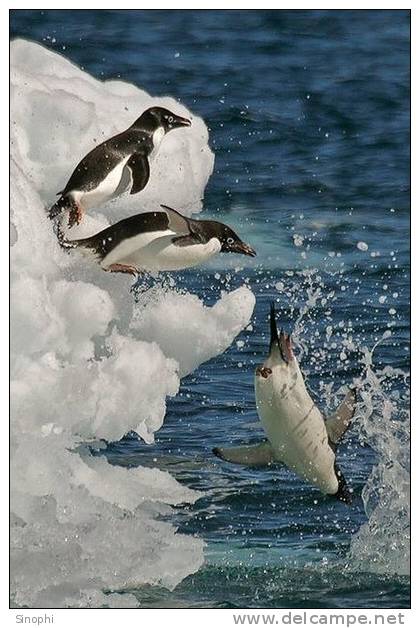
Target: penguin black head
x,y
230,242
156,117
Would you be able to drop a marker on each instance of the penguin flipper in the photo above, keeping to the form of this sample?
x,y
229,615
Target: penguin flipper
x,y
140,172
188,240
338,422
177,222
260,454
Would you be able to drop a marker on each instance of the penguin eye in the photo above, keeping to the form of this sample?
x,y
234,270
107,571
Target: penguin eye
x,y
230,240
170,119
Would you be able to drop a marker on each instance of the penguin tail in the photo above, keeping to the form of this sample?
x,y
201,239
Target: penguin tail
x,y
87,246
63,204
343,493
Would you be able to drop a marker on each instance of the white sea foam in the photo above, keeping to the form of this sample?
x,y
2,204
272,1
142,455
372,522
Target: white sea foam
x,y
85,365
382,544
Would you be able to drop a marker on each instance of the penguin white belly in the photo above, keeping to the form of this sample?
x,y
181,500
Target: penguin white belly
x,y
155,251
297,433
104,191
162,254
132,248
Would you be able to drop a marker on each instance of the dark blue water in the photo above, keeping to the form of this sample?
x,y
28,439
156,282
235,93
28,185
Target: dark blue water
x,y
308,113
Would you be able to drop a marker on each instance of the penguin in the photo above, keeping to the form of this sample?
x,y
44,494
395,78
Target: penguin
x,y
158,241
119,162
297,434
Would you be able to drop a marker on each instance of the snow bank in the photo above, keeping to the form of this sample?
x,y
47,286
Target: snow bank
x,y
209,332
87,363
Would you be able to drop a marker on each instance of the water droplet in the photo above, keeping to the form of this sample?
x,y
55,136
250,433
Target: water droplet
x,y
362,246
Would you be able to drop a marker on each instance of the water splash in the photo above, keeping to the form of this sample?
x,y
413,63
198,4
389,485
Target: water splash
x,y
382,544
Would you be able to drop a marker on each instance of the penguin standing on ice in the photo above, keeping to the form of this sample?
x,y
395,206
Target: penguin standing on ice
x,y
110,168
158,241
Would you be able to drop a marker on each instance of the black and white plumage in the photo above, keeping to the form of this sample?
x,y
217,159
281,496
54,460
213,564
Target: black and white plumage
x,y
297,433
119,162
159,241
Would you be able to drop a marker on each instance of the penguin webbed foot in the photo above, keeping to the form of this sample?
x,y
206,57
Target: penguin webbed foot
x,y
123,268
66,203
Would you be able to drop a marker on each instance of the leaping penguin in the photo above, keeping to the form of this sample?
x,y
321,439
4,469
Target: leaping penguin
x,y
297,434
110,168
158,241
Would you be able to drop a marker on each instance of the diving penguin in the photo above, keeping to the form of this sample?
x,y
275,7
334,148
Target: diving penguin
x,y
110,168
158,241
297,434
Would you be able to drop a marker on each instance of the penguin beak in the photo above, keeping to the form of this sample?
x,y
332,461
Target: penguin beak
x,y
180,121
274,334
244,249
283,342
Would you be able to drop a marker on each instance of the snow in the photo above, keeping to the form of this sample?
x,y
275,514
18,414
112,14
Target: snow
x,y
209,333
88,363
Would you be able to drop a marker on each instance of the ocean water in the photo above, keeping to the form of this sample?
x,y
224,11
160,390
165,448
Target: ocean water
x,y
308,115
